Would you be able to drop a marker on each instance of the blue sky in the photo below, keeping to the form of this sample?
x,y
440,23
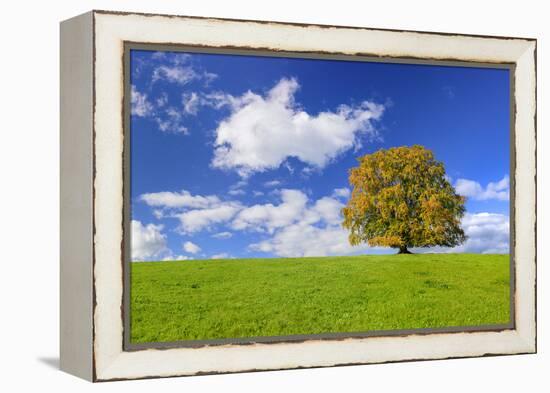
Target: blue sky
x,y
248,156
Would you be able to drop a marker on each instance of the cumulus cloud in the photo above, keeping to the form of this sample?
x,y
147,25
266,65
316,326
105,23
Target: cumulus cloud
x,y
200,219
342,192
173,68
237,188
222,255
140,104
272,183
158,213
495,190
169,119
268,217
298,226
236,192
190,103
305,240
295,226
177,68
162,100
488,233
191,247
261,132
176,74
173,57
222,235
313,230
172,257
326,209
321,235
183,199
148,241
317,221
195,212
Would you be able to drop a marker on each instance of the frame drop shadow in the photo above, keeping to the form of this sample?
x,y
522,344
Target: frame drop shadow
x,y
50,361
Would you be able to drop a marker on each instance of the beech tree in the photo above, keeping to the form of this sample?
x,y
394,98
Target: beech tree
x,y
401,198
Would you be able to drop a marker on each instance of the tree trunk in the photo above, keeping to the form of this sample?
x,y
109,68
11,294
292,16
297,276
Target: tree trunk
x,y
404,250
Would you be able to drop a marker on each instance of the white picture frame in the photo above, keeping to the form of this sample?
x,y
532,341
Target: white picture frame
x,y
92,194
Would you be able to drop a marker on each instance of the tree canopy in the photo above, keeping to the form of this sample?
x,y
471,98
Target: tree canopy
x,y
401,198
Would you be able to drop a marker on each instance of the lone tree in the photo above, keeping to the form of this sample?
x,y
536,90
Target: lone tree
x,y
401,198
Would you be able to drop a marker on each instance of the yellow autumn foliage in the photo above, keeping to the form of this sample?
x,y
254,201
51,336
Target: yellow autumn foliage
x,y
401,198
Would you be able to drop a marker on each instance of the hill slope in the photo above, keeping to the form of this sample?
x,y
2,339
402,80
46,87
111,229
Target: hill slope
x,y
211,299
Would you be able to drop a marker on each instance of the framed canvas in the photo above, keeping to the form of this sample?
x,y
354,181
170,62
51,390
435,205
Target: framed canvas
x,y
246,195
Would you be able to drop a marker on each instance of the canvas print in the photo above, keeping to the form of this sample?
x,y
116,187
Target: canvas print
x,y
274,197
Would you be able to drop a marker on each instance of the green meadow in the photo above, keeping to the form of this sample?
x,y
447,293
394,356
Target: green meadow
x,y
234,298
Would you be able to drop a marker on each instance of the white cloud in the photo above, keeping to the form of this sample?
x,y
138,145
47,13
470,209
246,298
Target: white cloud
x,y
173,57
209,77
158,213
342,192
172,257
241,183
148,241
168,118
289,167
140,105
222,255
197,220
268,217
495,190
487,233
292,209
195,212
296,226
272,183
177,68
303,240
191,247
162,100
263,131
314,225
170,121
237,188
328,210
222,235
468,188
314,230
219,99
175,73
319,219
190,103
183,199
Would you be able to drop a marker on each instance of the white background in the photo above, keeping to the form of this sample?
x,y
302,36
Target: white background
x,y
29,204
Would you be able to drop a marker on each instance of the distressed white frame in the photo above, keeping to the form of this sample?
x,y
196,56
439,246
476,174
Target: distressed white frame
x,y
110,31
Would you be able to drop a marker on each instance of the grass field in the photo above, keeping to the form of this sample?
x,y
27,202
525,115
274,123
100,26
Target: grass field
x,y
213,299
